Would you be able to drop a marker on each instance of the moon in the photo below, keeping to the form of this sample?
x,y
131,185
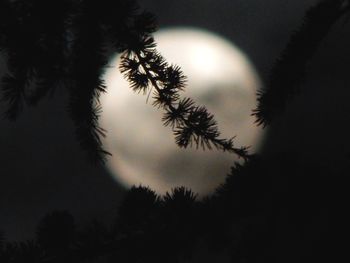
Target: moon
x,y
219,77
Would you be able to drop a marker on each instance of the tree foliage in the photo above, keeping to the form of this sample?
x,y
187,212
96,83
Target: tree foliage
x,y
273,209
68,49
290,69
62,44
56,233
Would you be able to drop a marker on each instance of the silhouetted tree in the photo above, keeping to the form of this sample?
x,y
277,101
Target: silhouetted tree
x,y
92,242
181,219
136,225
138,207
56,234
160,230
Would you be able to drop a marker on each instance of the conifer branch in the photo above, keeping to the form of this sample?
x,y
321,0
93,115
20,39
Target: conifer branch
x,y
49,43
290,69
192,125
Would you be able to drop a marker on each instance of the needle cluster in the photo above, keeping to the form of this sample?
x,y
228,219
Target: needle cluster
x,y
148,72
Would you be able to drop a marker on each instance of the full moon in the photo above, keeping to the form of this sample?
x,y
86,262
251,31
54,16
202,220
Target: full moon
x,y
219,77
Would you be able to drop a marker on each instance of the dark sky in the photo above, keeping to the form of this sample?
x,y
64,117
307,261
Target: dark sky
x,y
43,169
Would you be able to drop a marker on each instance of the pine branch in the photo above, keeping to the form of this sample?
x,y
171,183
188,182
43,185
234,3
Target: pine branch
x,y
289,70
61,43
32,34
88,62
192,125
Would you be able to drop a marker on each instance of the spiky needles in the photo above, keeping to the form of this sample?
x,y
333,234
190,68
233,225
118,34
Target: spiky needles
x,y
147,71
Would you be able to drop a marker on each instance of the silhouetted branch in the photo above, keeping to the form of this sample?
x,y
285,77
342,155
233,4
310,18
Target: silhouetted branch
x,y
145,68
62,43
32,34
88,61
289,70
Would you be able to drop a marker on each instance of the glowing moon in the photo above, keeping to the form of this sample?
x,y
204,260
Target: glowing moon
x,y
144,151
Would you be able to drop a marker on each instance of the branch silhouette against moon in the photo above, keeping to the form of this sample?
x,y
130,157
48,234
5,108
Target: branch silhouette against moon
x,y
145,68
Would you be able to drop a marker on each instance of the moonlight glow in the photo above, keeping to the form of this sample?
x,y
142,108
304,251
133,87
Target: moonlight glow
x,y
144,152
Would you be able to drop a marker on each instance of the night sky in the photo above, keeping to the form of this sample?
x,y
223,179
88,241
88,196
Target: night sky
x,y
43,168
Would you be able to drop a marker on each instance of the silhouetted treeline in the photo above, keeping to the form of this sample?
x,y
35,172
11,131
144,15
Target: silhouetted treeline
x,y
277,209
